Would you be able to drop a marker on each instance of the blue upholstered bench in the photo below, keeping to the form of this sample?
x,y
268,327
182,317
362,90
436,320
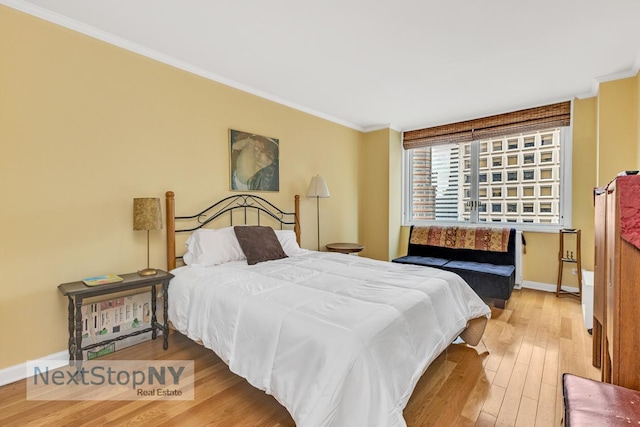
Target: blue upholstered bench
x,y
490,273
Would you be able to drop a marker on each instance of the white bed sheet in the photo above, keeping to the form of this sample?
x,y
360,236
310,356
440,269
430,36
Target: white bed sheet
x,y
339,340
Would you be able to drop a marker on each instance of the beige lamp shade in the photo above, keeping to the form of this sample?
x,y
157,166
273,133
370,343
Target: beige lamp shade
x,y
147,214
318,187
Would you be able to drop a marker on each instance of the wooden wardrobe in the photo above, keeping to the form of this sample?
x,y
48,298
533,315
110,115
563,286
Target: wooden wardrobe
x,y
616,337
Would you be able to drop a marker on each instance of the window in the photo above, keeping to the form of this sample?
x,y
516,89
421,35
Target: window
x,y
546,139
457,178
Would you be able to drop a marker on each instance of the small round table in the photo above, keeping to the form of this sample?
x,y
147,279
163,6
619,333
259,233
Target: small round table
x,y
345,248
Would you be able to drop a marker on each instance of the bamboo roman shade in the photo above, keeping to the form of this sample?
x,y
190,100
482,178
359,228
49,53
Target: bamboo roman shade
x,y
531,119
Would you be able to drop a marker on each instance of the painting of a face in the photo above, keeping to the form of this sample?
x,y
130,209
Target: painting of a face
x,y
255,163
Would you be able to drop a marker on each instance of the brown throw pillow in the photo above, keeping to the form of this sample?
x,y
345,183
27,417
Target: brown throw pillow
x,y
259,243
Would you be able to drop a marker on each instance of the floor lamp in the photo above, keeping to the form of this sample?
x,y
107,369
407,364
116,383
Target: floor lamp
x,y
318,188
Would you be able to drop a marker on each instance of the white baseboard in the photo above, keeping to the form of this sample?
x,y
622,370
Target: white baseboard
x,y
19,372
546,287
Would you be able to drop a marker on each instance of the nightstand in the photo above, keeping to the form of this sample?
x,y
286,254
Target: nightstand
x,y
345,248
76,292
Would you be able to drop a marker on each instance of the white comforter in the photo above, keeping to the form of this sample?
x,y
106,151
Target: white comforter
x,y
339,340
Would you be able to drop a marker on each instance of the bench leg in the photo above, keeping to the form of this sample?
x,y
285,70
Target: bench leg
x,y
499,303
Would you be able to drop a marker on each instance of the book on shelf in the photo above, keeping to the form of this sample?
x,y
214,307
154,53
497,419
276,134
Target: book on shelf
x,y
102,280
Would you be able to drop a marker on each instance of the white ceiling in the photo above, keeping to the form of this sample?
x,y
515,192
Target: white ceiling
x,y
368,64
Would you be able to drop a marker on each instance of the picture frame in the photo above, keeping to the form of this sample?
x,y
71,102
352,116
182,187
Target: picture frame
x,y
254,162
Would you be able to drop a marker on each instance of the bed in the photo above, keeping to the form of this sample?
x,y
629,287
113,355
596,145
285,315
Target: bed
x,y
338,340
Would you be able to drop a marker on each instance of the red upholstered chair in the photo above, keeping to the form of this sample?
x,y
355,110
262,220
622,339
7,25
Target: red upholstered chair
x,y
597,404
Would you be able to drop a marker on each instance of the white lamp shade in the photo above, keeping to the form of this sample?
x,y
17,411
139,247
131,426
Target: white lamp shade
x,y
318,187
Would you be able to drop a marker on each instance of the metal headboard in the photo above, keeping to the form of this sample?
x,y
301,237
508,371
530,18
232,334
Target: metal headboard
x,y
240,204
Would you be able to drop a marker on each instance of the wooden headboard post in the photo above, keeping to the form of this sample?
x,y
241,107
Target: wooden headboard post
x,y
171,230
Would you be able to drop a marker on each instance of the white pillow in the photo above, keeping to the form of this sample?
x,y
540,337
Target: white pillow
x,y
287,239
207,247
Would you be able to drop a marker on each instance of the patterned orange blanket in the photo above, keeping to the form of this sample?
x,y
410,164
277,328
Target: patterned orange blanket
x,y
483,239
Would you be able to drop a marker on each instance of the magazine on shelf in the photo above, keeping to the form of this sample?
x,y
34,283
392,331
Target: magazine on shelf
x,y
102,280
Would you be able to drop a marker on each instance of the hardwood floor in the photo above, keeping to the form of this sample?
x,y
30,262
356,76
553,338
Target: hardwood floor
x,y
512,378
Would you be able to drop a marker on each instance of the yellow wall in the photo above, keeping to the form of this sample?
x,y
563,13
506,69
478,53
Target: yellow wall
x,y
374,200
395,248
381,194
617,128
85,127
584,175
638,121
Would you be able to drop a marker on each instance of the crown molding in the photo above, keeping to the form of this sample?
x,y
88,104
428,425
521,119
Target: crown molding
x,y
378,127
112,39
595,87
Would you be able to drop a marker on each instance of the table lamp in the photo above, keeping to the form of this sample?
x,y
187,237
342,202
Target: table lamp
x,y
147,216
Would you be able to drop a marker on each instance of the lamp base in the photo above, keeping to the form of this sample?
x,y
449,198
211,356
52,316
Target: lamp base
x,y
147,272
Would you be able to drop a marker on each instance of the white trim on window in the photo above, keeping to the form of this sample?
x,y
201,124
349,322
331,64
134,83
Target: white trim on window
x,y
565,208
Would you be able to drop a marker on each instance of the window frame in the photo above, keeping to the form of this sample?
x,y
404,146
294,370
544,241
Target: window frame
x,y
564,200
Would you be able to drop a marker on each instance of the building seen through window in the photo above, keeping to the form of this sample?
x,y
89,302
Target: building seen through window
x,y
514,179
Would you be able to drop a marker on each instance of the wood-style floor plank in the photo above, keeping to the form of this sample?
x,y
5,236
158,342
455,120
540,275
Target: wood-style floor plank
x,y
512,378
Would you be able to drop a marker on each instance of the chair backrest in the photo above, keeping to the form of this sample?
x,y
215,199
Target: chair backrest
x,y
460,254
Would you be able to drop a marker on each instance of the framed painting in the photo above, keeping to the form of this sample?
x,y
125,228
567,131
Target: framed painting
x,y
255,162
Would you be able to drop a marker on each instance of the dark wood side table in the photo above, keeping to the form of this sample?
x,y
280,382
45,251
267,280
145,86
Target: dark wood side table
x,y
345,248
76,292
